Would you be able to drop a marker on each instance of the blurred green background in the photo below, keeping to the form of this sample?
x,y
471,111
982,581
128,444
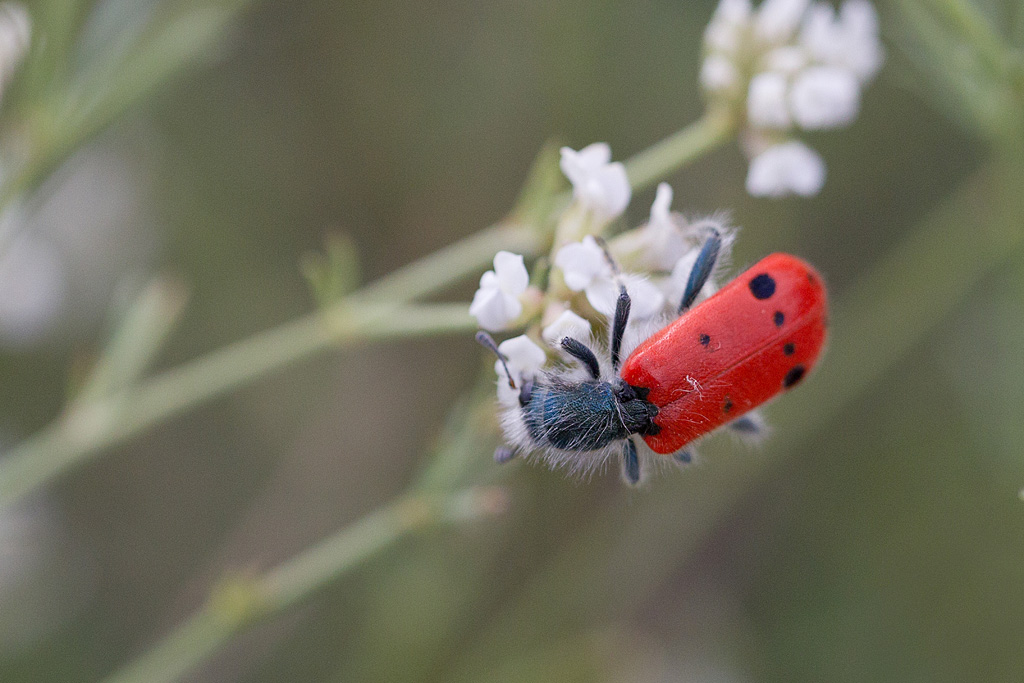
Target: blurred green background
x,y
885,543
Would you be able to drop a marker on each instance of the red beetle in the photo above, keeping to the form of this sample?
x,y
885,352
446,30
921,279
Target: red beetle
x,y
756,338
752,340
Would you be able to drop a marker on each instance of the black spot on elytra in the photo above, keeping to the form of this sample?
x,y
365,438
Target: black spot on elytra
x,y
705,340
788,349
727,406
794,376
779,318
762,286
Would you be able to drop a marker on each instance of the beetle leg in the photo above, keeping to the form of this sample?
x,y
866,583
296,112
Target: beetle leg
x,y
630,463
683,456
750,426
702,269
503,454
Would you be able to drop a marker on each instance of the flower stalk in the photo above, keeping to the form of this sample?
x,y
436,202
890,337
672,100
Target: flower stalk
x,y
237,603
377,312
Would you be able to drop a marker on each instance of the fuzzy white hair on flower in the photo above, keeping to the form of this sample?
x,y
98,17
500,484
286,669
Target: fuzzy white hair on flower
x,y
598,183
496,303
785,169
568,324
524,360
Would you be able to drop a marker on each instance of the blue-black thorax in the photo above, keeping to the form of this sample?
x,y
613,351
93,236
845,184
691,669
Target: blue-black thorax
x,y
585,416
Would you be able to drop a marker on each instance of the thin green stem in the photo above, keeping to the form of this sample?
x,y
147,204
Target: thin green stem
x,y
89,427
670,154
239,602
369,314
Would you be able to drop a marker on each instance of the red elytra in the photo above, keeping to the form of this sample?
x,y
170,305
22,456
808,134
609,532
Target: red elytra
x,y
749,342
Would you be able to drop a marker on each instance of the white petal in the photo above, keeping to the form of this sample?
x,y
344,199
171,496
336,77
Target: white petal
x,y
733,11
494,309
766,101
511,272
566,325
785,60
825,97
646,299
788,168
662,204
850,41
581,262
523,356
718,73
597,184
777,20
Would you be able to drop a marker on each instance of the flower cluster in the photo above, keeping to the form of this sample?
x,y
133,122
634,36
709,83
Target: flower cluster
x,y
787,66
583,286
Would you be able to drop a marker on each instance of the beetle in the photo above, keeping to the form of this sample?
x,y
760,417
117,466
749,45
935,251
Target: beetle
x,y
754,339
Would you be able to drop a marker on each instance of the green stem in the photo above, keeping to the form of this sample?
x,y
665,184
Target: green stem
x,y
669,155
89,427
239,602
368,314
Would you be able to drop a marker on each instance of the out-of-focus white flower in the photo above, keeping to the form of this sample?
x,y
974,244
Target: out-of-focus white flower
x,y
777,20
582,262
568,324
804,66
645,298
850,41
825,97
766,101
788,168
524,360
496,303
33,289
598,183
718,73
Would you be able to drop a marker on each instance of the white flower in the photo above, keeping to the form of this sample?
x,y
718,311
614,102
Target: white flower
x,y
524,360
778,20
662,240
785,60
851,41
646,300
766,101
581,262
568,324
825,97
597,183
496,303
788,168
724,32
718,73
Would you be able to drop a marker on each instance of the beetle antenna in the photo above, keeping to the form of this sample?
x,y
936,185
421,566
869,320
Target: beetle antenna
x,y
487,341
702,269
580,352
622,306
